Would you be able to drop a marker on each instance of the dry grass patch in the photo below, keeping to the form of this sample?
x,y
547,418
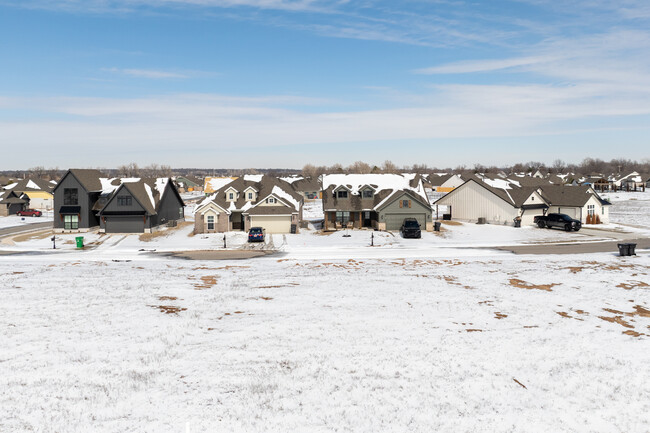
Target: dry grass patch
x,y
33,236
521,284
500,316
451,223
207,282
633,285
169,309
633,333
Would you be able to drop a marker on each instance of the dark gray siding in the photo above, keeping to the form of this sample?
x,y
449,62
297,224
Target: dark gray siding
x,y
169,206
125,224
87,218
133,218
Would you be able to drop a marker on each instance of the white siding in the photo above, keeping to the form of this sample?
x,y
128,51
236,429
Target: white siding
x,y
471,202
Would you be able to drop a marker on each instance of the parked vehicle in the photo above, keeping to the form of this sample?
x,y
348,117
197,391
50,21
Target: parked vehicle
x,y
29,212
256,234
411,228
558,220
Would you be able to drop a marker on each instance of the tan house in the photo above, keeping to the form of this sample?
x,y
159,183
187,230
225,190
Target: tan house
x,y
250,201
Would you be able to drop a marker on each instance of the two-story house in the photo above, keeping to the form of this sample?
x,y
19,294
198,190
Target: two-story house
x,y
250,201
84,199
377,201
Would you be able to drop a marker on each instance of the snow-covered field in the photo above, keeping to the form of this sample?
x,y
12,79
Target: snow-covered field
x,y
630,208
492,343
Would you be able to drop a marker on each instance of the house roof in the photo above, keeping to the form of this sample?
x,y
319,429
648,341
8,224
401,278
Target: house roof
x,y
89,178
31,184
575,196
265,185
10,197
386,188
147,191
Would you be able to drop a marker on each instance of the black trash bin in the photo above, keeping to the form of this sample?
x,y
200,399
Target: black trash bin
x,y
624,249
631,249
517,222
436,226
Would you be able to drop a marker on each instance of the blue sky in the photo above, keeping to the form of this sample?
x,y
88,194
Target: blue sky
x,y
282,83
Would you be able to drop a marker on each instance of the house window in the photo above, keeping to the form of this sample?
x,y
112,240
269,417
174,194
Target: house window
x,y
210,222
591,209
250,196
342,217
270,200
180,212
70,196
124,200
602,210
342,194
405,203
231,196
367,193
71,222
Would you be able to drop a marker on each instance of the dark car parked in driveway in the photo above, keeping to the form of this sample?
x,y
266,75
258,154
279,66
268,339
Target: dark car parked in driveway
x,y
256,234
29,212
411,228
558,220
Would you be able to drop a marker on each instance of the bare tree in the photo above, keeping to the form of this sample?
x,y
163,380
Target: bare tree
x,y
558,166
309,170
128,170
359,167
389,167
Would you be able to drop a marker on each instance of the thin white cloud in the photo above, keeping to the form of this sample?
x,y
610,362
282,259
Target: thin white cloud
x,y
148,73
483,65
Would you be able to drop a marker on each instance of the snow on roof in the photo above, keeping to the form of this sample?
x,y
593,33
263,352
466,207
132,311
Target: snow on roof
x,y
150,194
217,183
498,183
11,185
253,177
232,206
381,182
31,184
282,194
292,179
161,184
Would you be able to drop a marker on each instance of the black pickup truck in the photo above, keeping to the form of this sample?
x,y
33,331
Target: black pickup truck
x,y
559,220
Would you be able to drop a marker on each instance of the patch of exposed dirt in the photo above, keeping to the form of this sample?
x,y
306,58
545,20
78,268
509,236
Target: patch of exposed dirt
x,y
474,330
563,314
500,316
616,319
207,282
575,269
33,236
633,285
169,309
451,223
521,284
633,333
147,237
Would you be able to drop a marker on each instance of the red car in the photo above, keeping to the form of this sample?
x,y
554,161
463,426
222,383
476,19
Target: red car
x,y
29,212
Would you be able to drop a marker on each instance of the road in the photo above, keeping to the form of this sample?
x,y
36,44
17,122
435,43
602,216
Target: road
x,y
576,248
24,228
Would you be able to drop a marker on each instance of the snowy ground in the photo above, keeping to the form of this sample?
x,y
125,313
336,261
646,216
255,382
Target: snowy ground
x,y
15,221
298,345
630,208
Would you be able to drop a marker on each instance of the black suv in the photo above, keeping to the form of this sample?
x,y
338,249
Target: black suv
x,y
411,228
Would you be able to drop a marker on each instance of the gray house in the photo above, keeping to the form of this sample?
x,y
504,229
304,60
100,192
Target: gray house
x,y
375,201
10,203
85,199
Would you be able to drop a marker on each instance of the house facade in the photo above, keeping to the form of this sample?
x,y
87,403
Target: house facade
x,y
501,201
251,201
374,201
85,200
38,190
11,203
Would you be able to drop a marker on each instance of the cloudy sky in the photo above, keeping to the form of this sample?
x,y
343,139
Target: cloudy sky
x,y
281,83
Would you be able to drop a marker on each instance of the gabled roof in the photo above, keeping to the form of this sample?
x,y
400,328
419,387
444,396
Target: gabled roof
x,y
575,196
147,191
10,197
32,184
264,185
386,187
88,178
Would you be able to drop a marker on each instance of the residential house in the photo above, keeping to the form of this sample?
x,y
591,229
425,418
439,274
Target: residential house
x,y
501,201
632,182
308,187
444,182
84,199
375,201
38,190
250,201
11,203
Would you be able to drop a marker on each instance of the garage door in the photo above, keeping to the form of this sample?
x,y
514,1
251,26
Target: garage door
x,y
529,215
273,224
571,211
125,225
394,220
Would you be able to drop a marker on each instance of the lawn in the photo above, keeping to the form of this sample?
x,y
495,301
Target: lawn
x,y
489,343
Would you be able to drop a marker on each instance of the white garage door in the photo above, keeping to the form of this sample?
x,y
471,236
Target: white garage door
x,y
571,211
273,224
529,215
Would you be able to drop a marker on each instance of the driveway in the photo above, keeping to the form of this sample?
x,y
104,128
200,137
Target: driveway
x,y
24,228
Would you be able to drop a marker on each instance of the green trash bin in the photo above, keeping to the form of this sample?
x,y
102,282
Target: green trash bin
x,y
80,241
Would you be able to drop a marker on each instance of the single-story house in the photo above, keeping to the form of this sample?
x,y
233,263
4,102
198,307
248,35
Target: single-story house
x,y
188,184
84,200
444,182
376,201
501,201
11,203
250,201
